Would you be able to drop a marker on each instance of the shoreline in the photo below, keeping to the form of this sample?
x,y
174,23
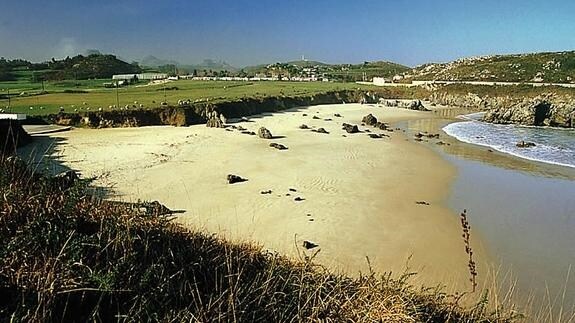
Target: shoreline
x,y
360,192
521,209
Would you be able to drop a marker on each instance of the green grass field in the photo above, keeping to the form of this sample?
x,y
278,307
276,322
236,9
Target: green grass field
x,y
94,96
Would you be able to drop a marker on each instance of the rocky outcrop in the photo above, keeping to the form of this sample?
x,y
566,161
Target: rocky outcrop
x,y
264,133
404,104
525,144
320,130
412,105
215,120
350,128
469,100
232,179
369,120
540,111
278,146
544,110
12,136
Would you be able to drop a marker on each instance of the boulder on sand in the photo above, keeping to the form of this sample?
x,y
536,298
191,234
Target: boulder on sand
x,y
321,130
369,120
309,245
232,179
350,128
214,120
264,133
278,146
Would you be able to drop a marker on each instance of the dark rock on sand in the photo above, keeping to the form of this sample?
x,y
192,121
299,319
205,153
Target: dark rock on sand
x,y
309,245
232,179
299,199
303,126
215,122
350,128
264,133
369,120
278,146
266,192
422,203
380,125
375,136
320,130
315,117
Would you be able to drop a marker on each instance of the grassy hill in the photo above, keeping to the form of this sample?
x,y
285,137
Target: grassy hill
x,y
334,72
553,67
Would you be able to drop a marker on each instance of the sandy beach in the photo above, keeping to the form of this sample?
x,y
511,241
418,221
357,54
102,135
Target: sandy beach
x,y
358,194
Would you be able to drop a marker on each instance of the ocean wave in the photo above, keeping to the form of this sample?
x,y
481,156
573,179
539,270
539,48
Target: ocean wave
x,y
553,146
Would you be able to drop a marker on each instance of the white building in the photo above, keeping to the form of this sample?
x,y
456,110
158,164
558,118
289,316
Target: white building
x,y
379,81
141,76
13,116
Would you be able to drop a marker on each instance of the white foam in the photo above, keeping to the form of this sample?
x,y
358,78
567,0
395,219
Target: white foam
x,y
552,146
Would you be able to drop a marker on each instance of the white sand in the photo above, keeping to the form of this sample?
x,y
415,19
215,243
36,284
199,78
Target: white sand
x,y
360,192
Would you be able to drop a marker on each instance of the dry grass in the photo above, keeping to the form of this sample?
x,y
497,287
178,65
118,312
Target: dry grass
x,y
67,256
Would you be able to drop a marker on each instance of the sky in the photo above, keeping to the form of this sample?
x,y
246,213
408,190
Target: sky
x,y
250,32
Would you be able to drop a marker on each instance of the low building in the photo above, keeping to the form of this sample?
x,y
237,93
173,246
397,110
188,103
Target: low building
x,y
379,81
12,116
141,76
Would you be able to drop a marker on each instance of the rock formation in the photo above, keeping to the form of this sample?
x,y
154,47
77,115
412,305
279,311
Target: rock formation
x,y
540,111
525,144
278,146
320,130
264,133
232,179
369,120
349,128
215,120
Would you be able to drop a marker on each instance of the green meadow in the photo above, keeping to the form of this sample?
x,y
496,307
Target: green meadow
x,y
72,95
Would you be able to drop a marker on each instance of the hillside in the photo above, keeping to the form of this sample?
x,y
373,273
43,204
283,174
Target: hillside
x,y
334,72
88,67
80,67
552,67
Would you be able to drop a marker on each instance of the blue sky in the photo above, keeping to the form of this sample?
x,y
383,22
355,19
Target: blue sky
x,y
244,32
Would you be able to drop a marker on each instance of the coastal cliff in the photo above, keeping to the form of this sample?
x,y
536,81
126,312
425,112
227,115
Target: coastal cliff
x,y
548,110
197,113
542,110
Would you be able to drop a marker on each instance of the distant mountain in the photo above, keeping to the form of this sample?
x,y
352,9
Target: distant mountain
x,y
152,61
553,67
167,65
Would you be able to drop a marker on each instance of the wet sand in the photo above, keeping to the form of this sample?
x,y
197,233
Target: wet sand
x,y
359,193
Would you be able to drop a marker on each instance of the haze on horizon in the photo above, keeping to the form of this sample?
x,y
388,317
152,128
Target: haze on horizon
x,y
243,32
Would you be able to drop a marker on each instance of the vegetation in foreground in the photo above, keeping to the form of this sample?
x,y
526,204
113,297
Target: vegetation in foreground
x,y
67,256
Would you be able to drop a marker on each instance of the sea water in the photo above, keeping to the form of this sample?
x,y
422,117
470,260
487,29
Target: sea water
x,y
552,145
